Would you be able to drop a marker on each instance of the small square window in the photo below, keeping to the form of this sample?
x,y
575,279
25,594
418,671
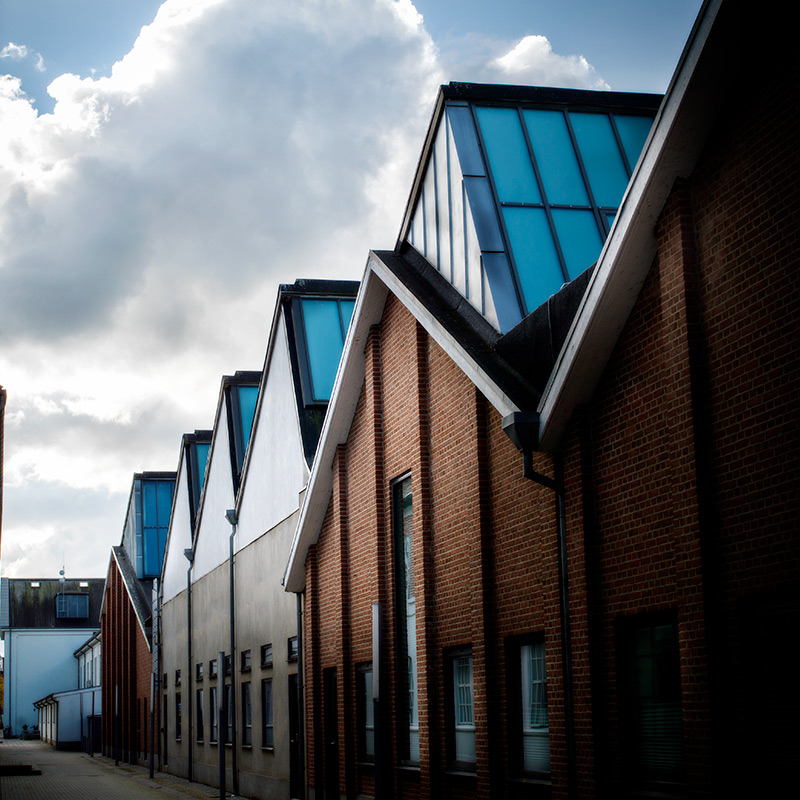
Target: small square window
x,y
266,655
245,660
84,584
177,677
212,668
34,584
291,647
198,671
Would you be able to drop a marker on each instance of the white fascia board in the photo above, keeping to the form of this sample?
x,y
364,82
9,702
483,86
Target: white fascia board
x,y
378,281
671,151
130,597
105,586
499,399
368,311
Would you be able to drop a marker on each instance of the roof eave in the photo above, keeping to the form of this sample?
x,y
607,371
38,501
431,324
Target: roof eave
x,y
671,152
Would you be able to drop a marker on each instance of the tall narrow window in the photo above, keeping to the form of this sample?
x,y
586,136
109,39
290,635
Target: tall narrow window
x,y
213,714
199,726
650,699
229,714
462,733
535,727
365,711
247,716
267,735
178,715
402,510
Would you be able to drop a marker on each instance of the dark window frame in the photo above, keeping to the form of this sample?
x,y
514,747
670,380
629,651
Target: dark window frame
x,y
665,679
267,719
266,655
514,699
451,656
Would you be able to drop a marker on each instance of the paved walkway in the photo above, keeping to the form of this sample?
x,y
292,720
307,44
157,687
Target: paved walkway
x,y
77,776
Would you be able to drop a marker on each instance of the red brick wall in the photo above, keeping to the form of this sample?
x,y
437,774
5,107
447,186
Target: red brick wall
x,y
681,487
126,664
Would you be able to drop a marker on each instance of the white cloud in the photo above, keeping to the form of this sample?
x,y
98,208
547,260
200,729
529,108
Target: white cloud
x,y
533,61
146,223
19,52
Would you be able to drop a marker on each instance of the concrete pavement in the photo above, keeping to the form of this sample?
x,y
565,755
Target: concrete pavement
x,y
77,776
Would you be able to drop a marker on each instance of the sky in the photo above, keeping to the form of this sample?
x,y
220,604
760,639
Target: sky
x,y
163,167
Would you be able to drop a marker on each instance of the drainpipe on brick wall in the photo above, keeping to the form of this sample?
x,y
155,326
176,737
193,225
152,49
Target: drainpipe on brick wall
x,y
154,685
301,748
189,554
522,427
230,515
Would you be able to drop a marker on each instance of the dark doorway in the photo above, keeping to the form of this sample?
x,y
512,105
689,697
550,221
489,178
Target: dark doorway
x,y
295,783
330,714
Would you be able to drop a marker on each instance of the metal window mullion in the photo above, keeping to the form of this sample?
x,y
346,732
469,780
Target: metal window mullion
x,y
503,232
620,147
448,170
434,163
601,226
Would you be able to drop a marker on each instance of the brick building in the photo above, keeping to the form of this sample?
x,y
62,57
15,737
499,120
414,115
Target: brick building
x,y
607,613
126,620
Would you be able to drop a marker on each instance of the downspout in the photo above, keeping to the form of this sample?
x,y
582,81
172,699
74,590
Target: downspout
x,y
230,515
189,554
301,741
522,427
154,687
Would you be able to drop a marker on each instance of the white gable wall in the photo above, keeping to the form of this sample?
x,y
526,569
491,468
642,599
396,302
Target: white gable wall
x,y
180,536
211,547
276,471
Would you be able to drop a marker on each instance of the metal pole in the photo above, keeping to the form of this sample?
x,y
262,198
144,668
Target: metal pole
x,y
222,723
116,725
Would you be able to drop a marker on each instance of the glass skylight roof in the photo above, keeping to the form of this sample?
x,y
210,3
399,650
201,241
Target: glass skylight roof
x,y
518,198
325,324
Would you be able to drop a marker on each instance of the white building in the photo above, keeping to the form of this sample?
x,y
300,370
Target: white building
x,y
42,622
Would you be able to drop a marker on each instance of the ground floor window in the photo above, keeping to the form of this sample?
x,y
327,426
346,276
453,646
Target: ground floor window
x,y
649,691
178,715
199,726
247,716
365,710
462,708
213,714
267,730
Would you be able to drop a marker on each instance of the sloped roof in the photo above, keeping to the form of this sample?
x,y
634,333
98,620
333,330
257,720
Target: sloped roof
x,y
137,590
565,351
517,188
31,602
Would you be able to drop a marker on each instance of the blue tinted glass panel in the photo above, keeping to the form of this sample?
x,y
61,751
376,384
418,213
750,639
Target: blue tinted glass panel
x,y
601,157
164,502
503,290
248,397
469,154
579,238
555,157
150,503
535,254
324,340
346,307
152,560
508,155
610,220
202,457
484,216
633,131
